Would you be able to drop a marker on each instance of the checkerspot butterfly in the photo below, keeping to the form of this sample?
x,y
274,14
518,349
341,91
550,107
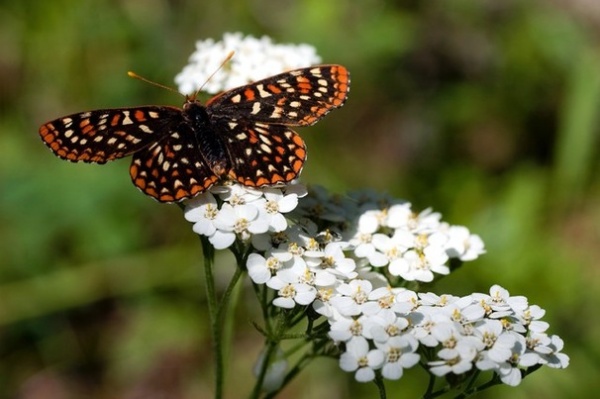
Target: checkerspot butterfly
x,y
242,134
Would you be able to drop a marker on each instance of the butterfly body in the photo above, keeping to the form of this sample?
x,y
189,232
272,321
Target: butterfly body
x,y
242,134
211,144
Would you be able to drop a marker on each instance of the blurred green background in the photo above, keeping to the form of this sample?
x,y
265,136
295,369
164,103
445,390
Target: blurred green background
x,y
486,111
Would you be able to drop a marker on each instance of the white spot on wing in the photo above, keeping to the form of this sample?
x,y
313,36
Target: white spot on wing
x,y
145,129
126,120
262,92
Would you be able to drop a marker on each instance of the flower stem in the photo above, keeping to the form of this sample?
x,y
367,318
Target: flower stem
x,y
208,252
380,386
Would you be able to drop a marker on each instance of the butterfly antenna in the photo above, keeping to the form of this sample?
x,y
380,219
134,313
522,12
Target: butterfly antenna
x,y
143,79
225,61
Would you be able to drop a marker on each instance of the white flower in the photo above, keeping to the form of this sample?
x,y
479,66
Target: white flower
x,y
273,206
389,250
330,264
343,328
499,343
254,59
399,355
464,245
237,194
322,306
509,371
290,290
202,210
353,296
261,269
555,359
530,317
431,299
398,216
368,224
388,325
359,358
421,266
424,321
495,304
405,302
425,222
457,359
241,220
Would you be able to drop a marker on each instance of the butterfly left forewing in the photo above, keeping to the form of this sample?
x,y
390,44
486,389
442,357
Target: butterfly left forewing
x,y
102,135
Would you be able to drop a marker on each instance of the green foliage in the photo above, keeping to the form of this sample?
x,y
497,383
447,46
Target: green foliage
x,y
486,111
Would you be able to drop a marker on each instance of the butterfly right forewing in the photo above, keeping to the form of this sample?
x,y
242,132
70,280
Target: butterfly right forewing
x,y
296,98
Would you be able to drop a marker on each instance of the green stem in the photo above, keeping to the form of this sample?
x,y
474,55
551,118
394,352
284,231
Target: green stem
x,y
430,386
208,252
266,362
380,386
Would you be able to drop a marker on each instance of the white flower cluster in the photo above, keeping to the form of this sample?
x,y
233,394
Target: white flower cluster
x,y
485,332
340,244
254,59
242,213
346,256
411,246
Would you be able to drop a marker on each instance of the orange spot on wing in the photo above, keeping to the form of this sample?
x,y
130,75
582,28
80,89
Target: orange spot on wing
x,y
252,137
164,197
48,137
305,88
139,116
262,181
300,153
297,166
276,179
249,94
115,119
88,129
298,141
181,193
274,89
141,183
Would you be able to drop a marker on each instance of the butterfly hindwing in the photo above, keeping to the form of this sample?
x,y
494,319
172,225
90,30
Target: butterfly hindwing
x,y
172,169
264,155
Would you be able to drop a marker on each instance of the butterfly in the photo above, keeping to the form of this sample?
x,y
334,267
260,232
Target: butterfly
x,y
242,135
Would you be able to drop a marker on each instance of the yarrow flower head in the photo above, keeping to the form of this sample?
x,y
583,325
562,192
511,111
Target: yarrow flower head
x,y
255,59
